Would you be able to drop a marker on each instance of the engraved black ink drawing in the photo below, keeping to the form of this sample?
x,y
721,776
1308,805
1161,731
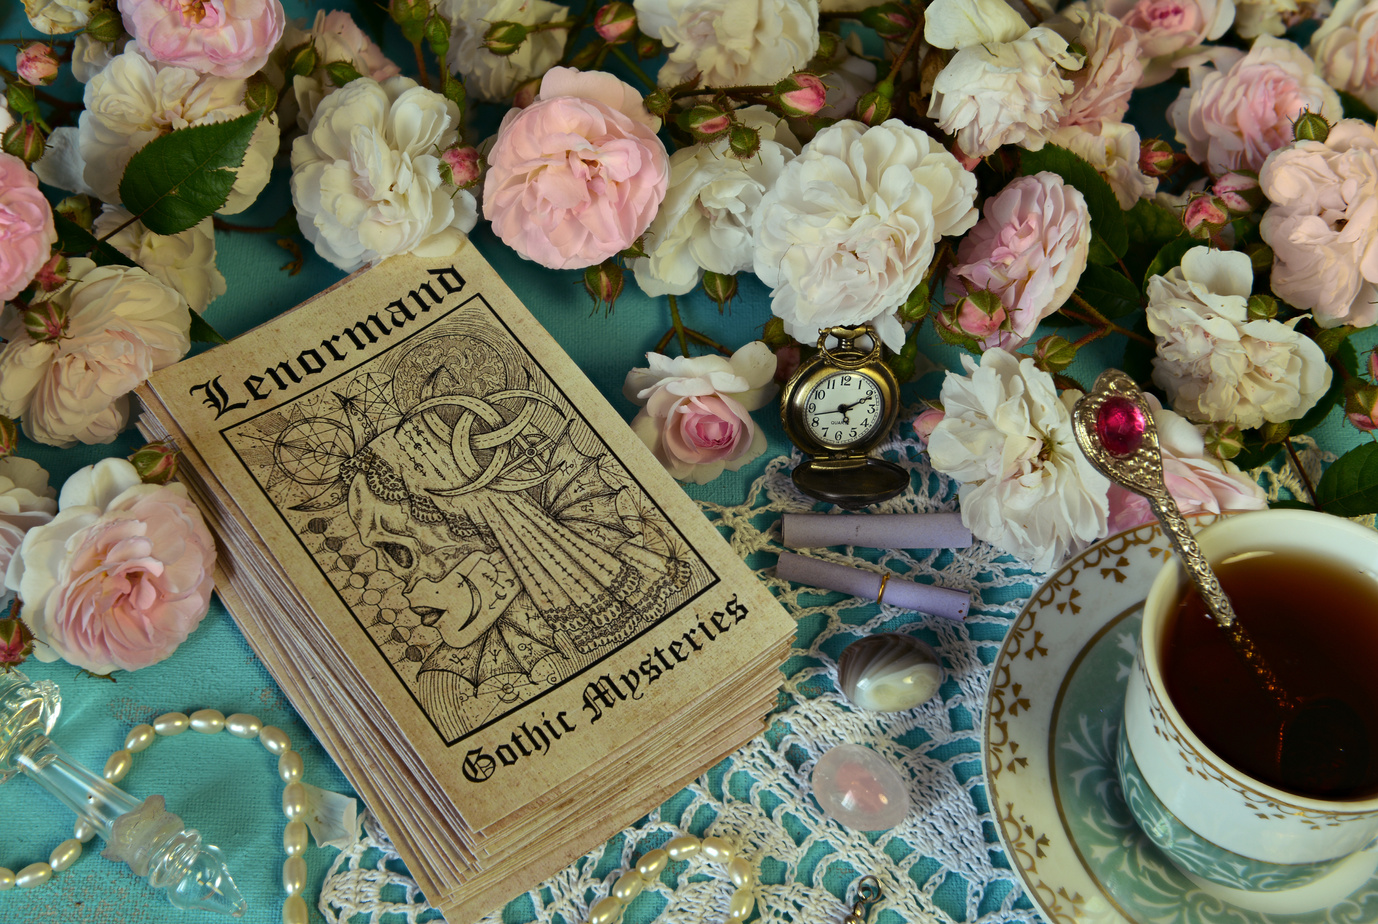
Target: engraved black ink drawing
x,y
475,525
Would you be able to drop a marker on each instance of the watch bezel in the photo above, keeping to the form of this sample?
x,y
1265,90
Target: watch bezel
x,y
819,368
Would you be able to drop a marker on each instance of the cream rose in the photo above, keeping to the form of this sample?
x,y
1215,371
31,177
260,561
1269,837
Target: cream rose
x,y
335,37
704,223
1217,365
120,577
1113,148
1007,437
1322,224
1253,18
850,226
366,178
731,43
695,410
122,325
1236,113
491,77
995,94
1346,48
57,17
26,501
133,100
184,261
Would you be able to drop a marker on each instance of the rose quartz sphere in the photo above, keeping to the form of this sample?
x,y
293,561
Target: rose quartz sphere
x,y
860,788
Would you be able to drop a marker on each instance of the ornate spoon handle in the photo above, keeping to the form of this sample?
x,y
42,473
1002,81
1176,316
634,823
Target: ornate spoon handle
x,y
1198,569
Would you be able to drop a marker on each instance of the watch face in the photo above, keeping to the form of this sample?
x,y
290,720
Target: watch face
x,y
843,408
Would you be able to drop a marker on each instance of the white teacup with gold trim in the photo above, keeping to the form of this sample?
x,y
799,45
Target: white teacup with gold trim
x,y
1217,824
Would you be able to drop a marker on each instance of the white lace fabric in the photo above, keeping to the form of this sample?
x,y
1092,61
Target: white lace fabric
x,y
943,864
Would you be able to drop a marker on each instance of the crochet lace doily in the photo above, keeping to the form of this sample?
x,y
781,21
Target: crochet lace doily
x,y
945,855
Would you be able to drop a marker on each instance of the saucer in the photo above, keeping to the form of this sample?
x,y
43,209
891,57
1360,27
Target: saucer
x,y
1052,722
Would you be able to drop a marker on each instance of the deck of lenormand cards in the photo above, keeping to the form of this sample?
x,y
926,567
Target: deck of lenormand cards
x,y
505,622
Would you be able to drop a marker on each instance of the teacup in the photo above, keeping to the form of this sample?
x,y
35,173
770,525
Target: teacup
x,y
1216,823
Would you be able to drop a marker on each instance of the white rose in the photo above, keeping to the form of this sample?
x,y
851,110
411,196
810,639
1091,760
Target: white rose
x,y
26,501
491,77
850,226
1345,48
122,325
731,43
1004,93
960,24
90,57
366,177
1113,149
184,261
1007,437
1253,18
57,17
132,101
704,222
1213,362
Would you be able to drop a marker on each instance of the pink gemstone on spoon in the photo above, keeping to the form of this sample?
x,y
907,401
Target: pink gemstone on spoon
x,y
1120,424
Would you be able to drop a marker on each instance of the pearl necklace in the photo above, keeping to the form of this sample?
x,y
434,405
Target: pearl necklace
x,y
630,883
207,722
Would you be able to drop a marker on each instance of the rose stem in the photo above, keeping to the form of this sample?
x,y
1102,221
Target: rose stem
x,y
679,326
1305,478
635,69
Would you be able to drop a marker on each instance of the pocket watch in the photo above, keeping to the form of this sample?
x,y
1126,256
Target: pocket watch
x,y
838,406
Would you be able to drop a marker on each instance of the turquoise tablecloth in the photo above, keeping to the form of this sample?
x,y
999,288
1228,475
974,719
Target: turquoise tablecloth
x,y
228,788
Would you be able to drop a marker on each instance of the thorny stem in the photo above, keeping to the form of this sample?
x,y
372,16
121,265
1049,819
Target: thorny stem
x,y
694,336
123,225
1096,319
421,65
679,326
1305,478
908,47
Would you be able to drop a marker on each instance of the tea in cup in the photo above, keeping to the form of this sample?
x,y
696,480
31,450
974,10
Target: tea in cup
x,y
1211,764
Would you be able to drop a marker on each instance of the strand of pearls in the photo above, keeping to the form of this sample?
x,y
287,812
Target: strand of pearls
x,y
721,850
295,836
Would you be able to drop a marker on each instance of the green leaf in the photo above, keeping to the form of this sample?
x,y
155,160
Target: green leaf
x,y
73,240
1256,452
1109,292
1355,108
1168,256
1107,218
1349,488
202,332
1138,357
1289,503
1334,395
1099,252
177,180
1150,227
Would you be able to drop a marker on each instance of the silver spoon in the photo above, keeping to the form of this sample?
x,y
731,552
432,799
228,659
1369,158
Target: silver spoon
x,y
1322,744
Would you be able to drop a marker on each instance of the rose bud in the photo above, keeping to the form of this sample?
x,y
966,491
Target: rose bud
x,y
45,321
9,436
342,73
76,209
1223,440
1053,354
461,166
657,103
411,16
1361,407
615,22
24,140
801,94
787,359
36,64
1261,308
603,281
1157,159
889,20
977,314
1239,190
875,107
704,122
720,287
303,60
525,93
105,26
1260,256
16,642
916,306
437,32
743,141
1205,216
647,47
773,334
260,94
156,463
1310,126
504,37
52,275
925,423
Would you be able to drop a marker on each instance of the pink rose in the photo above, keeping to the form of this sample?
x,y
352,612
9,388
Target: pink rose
x,y
1235,114
228,38
1199,483
121,325
695,415
1166,27
36,64
1323,224
1102,86
26,226
926,422
26,501
1029,249
122,574
578,175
